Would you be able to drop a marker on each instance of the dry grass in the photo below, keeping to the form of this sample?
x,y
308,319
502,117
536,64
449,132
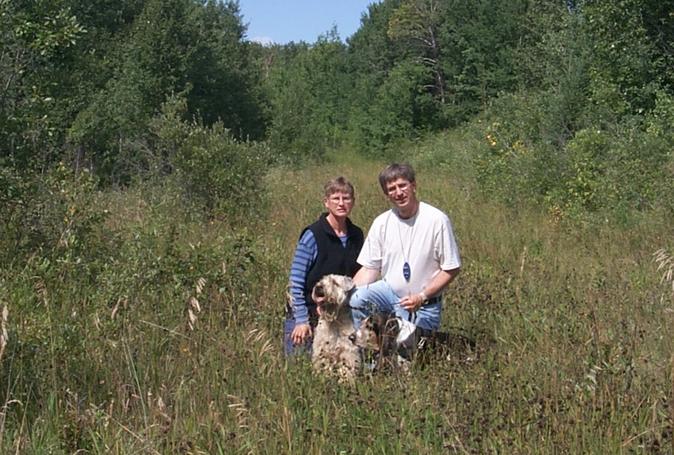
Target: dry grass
x,y
175,347
4,336
665,266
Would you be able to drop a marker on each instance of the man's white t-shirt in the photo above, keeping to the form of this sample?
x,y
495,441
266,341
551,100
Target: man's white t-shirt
x,y
425,241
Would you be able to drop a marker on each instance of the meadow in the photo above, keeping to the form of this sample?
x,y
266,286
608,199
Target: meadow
x,y
148,328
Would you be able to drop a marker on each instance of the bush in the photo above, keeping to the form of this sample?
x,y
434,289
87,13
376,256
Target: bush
x,y
615,174
67,329
48,215
609,171
513,163
216,172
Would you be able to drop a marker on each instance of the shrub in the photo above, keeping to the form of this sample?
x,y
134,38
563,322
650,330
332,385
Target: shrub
x,y
215,171
615,173
513,163
49,214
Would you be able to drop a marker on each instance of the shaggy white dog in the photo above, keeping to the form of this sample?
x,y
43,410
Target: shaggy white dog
x,y
333,353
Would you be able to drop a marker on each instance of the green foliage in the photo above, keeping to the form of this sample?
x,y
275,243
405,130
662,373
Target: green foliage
x,y
292,132
100,298
585,143
416,23
226,84
157,59
48,215
81,81
34,36
661,118
609,173
479,44
400,108
306,87
588,156
626,69
510,164
464,54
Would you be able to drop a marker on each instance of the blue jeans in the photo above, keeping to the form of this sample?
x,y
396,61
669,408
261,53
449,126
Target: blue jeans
x,y
289,325
379,297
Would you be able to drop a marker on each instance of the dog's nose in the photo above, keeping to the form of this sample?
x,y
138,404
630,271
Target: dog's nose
x,y
352,337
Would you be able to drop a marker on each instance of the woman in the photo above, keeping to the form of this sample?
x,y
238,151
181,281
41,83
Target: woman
x,y
330,245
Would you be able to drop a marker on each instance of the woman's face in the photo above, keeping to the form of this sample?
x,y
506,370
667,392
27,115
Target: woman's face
x,y
339,204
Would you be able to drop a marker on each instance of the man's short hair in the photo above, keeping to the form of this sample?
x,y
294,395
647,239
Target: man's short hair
x,y
396,171
338,184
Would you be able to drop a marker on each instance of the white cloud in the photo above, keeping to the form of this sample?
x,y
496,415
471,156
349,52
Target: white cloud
x,y
264,40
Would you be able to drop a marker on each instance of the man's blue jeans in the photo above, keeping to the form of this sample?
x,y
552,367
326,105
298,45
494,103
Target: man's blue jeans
x,y
379,297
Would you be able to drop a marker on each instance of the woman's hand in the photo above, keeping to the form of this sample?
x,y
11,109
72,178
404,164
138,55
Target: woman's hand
x,y
300,334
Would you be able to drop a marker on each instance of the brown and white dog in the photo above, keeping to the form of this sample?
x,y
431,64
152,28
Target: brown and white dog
x,y
333,353
396,342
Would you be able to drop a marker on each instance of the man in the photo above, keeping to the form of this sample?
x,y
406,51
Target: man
x,y
330,245
409,256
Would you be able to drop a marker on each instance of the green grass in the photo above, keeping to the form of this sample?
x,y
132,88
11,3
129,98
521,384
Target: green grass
x,y
573,322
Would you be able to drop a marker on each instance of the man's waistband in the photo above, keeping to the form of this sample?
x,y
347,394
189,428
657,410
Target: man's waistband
x,y
433,300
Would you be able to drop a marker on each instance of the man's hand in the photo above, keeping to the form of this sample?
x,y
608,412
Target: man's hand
x,y
301,333
437,284
412,302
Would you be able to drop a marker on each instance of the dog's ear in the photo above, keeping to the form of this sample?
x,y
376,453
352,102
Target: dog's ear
x,y
343,282
378,321
392,327
389,336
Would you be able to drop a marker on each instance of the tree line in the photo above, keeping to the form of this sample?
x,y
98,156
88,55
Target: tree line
x,y
573,97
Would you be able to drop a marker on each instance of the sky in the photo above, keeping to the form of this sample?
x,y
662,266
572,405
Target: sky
x,y
282,21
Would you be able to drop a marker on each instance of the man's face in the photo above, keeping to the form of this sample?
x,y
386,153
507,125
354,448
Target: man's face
x,y
339,204
401,192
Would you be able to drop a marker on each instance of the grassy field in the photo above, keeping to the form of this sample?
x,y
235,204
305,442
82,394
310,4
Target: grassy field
x,y
158,332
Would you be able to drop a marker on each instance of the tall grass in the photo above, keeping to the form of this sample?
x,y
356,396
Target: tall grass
x,y
171,340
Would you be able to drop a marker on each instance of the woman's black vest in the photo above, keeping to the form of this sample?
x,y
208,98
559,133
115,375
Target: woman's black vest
x,y
332,256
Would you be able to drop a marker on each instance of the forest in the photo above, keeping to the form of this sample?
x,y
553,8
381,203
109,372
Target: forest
x,y
156,167
574,99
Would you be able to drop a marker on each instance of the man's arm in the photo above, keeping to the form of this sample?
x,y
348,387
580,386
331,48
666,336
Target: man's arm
x,y
435,286
365,276
440,281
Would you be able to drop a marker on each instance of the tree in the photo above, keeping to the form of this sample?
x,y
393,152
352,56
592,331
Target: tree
x,y
174,46
630,60
308,89
34,36
417,21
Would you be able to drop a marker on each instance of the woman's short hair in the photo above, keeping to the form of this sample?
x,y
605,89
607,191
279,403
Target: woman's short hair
x,y
338,184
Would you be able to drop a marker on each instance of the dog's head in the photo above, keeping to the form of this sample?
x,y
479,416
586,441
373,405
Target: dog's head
x,y
331,293
377,332
369,334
